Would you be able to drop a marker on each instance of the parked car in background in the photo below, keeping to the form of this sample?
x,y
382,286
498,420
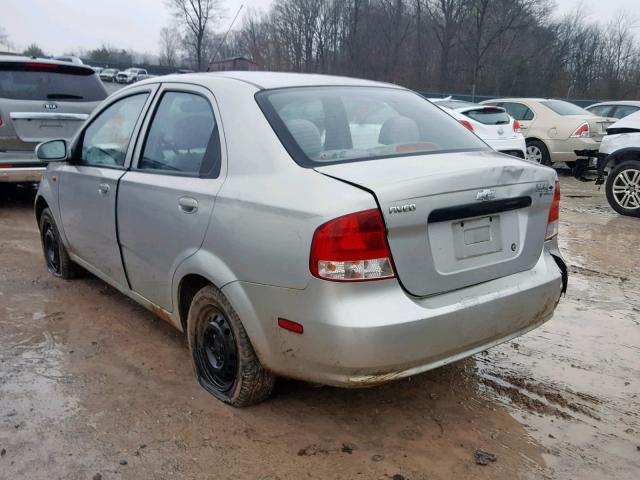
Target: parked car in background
x,y
40,99
554,129
131,75
491,124
69,59
617,109
619,154
108,75
362,235
98,70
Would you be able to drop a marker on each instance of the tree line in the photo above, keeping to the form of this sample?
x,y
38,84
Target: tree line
x,y
493,47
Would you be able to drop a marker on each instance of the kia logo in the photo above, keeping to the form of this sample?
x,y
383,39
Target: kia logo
x,y
50,106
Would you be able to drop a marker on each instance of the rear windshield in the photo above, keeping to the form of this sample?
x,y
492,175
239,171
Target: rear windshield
x,y
323,125
34,81
565,108
453,104
489,116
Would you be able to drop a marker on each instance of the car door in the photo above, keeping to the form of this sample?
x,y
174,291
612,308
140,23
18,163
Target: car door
x,y
522,113
166,199
89,183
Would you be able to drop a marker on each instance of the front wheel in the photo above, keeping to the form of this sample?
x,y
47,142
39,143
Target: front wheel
x,y
59,264
623,188
223,357
538,152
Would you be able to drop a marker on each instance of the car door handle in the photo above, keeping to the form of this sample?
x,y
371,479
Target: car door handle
x,y
104,188
188,204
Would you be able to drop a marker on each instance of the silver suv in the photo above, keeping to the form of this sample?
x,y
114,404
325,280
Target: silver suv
x,y
40,100
329,229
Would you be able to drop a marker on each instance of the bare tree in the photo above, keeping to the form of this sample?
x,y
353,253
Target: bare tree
x,y
447,17
33,50
169,46
195,16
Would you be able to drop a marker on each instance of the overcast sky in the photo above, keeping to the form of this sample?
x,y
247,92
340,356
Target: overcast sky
x,y
59,26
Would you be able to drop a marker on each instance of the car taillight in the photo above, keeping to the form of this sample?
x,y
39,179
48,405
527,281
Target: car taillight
x,y
352,248
583,131
41,66
467,124
516,127
554,214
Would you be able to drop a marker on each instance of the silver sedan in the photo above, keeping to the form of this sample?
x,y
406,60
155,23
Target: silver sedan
x,y
328,229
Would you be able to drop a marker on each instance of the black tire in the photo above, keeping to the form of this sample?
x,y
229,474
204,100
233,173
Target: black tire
x,y
538,152
57,259
623,188
223,358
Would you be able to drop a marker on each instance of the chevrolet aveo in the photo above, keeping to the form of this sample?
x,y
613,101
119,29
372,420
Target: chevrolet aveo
x,y
327,229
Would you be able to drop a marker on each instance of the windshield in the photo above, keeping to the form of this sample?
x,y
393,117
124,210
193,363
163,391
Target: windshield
x,y
33,81
321,125
565,108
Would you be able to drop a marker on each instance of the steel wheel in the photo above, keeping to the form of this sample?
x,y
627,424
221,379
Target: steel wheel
x,y
216,352
626,189
51,249
534,153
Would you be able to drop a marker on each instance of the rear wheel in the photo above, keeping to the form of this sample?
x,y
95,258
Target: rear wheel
x,y
223,357
56,256
537,152
623,188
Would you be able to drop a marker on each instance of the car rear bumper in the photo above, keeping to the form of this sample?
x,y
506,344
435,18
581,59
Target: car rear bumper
x,y
509,146
358,334
564,150
21,175
20,167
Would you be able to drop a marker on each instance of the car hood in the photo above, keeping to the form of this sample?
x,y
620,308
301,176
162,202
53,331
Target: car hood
x,y
631,122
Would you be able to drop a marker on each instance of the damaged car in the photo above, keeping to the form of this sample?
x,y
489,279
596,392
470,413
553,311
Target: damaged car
x,y
619,157
333,230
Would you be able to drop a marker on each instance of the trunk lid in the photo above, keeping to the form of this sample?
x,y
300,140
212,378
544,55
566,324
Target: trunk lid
x,y
33,123
41,100
457,219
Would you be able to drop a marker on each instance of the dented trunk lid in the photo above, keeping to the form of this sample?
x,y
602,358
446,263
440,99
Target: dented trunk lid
x,y
457,219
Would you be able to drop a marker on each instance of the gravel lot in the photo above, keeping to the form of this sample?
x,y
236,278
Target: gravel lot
x,y
93,386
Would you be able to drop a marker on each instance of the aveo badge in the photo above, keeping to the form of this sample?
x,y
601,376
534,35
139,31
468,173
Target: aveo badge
x,y
411,207
486,195
544,188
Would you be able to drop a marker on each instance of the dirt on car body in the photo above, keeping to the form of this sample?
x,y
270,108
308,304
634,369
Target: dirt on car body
x,y
94,386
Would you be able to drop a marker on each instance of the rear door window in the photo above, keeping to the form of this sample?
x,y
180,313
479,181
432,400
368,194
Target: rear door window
x,y
44,81
183,137
105,142
519,111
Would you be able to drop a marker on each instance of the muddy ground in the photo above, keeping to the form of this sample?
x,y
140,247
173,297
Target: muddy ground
x,y
93,386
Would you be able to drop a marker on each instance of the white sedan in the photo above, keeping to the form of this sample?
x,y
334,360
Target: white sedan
x,y
491,124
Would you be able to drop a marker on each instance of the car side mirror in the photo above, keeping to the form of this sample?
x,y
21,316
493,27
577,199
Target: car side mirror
x,y
52,151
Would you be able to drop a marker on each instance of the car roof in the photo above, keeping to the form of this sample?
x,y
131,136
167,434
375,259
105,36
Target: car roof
x,y
23,59
634,103
520,99
271,80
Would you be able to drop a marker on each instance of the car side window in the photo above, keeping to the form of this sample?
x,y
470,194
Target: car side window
x,y
518,111
601,110
183,137
624,110
106,140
